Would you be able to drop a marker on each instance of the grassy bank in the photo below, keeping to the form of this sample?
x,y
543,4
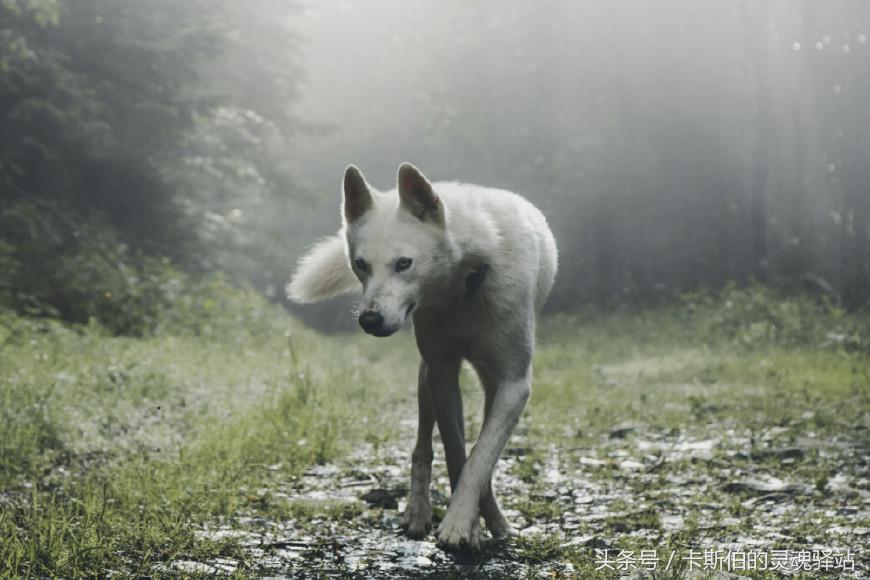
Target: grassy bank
x,y
117,452
113,448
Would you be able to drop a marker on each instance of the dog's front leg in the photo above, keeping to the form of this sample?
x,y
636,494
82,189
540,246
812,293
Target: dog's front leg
x,y
497,524
447,403
456,530
417,519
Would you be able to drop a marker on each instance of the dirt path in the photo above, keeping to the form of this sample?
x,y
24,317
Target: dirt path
x,y
637,487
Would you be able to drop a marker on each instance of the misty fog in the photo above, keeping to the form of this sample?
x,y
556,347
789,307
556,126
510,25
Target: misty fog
x,y
673,145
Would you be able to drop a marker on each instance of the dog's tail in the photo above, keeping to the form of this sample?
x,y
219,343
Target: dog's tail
x,y
322,273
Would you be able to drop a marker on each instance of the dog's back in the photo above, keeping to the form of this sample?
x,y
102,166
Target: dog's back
x,y
512,232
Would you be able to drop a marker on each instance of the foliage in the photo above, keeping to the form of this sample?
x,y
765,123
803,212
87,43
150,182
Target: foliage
x,y
235,185
95,102
84,272
127,112
747,318
753,316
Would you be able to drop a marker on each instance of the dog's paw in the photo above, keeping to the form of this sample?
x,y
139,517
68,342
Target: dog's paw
x,y
459,534
417,519
496,523
499,528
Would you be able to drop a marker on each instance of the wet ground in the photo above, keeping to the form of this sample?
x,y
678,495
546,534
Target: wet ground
x,y
730,492
643,453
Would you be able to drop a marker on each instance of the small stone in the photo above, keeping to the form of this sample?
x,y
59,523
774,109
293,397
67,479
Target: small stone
x,y
620,431
383,498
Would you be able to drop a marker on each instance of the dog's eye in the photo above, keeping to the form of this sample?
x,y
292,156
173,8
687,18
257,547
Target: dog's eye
x,y
403,264
361,265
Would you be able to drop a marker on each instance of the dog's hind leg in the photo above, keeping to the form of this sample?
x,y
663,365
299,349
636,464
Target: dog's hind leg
x,y
417,519
496,523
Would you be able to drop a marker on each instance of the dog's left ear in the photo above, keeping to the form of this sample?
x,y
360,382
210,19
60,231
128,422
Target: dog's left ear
x,y
416,195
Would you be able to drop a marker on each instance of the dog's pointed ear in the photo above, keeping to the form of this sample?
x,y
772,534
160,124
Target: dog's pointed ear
x,y
357,197
417,197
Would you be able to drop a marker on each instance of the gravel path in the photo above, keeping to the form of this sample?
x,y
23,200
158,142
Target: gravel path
x,y
636,489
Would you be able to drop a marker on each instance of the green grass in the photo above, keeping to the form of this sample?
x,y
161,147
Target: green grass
x,y
114,451
655,369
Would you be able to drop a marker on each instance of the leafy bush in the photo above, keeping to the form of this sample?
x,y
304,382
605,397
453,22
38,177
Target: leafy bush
x,y
82,272
211,306
756,316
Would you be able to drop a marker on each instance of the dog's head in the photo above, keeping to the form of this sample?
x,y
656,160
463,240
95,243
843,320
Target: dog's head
x,y
399,249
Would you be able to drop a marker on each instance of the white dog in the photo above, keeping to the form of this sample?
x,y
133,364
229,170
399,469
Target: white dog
x,y
473,265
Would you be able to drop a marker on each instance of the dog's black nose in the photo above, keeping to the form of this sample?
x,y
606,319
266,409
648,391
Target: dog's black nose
x,y
371,321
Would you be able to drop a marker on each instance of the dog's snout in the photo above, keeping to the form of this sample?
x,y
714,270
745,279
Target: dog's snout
x,y
371,321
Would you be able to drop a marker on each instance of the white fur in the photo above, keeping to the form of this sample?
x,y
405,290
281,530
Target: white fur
x,y
323,272
460,231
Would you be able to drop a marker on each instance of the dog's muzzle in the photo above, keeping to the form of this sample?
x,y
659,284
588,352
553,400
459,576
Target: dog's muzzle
x,y
373,323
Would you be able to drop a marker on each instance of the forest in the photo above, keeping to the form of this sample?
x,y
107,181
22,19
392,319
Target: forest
x,y
165,410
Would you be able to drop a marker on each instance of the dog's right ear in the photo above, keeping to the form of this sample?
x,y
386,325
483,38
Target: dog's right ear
x,y
417,196
357,197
